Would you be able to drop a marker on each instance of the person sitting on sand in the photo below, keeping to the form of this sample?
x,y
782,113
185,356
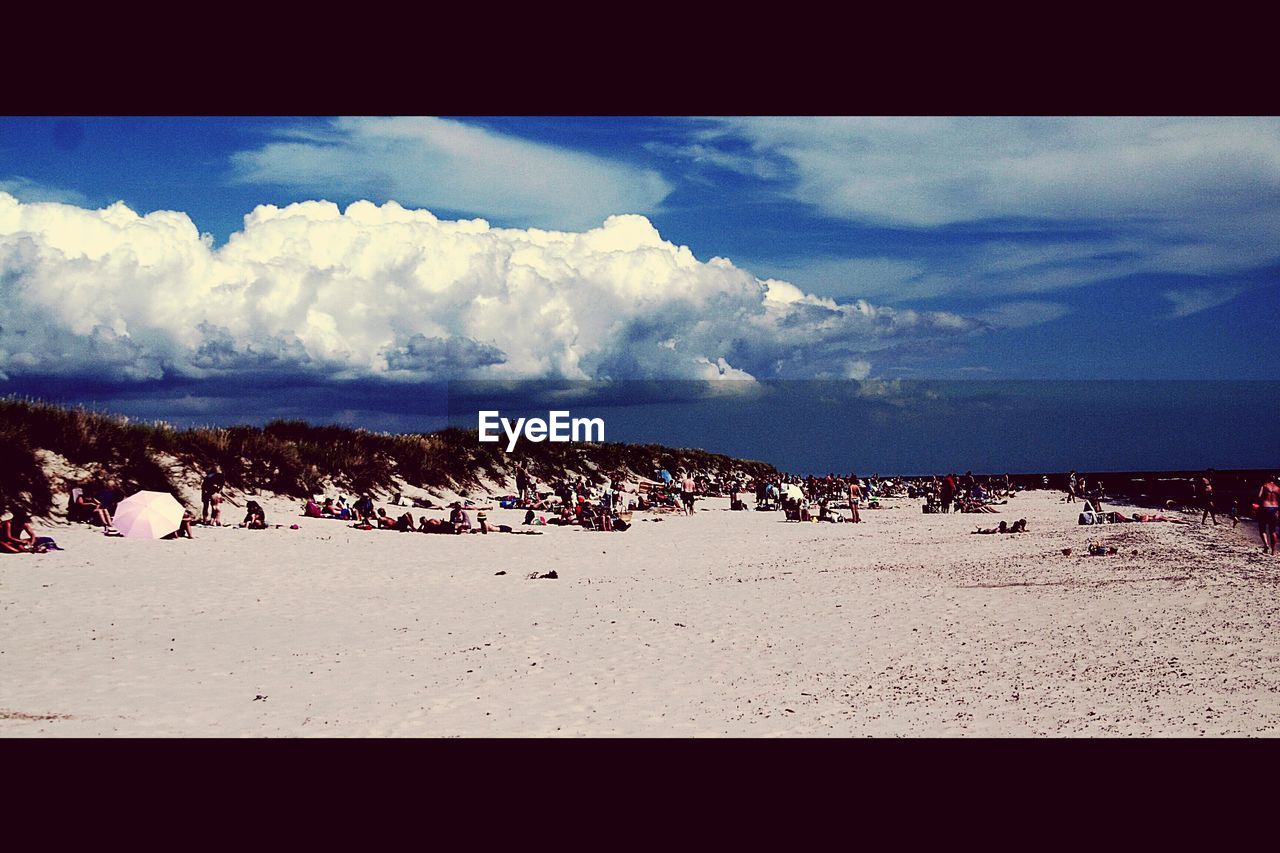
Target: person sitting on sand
x,y
254,517
215,508
482,520
1094,496
364,508
184,528
459,519
825,512
312,509
16,535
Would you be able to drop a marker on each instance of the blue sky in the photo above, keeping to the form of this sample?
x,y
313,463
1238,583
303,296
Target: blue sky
x,y
851,248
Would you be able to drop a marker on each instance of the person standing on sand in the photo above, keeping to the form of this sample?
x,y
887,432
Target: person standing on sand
x,y
211,485
1072,482
1269,512
686,493
948,492
1206,497
855,497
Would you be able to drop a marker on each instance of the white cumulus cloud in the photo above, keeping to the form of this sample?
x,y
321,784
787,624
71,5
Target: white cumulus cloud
x,y
398,294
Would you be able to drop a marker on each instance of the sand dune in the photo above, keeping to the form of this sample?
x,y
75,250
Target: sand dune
x,y
724,624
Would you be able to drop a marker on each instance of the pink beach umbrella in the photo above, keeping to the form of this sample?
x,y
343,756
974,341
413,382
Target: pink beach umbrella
x,y
148,515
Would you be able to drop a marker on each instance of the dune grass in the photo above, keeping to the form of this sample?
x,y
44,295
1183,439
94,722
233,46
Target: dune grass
x,y
298,459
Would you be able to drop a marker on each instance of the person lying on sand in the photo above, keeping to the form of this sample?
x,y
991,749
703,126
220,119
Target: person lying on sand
x,y
385,522
1019,526
435,525
1119,518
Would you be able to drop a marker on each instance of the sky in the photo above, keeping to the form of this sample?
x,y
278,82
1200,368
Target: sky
x,y
215,270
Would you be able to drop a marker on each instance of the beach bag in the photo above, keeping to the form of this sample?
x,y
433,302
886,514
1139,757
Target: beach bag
x,y
1089,517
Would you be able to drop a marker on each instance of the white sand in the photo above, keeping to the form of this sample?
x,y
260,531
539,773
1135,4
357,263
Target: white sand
x,y
724,624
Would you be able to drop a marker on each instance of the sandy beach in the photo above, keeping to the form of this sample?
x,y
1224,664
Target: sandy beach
x,y
724,624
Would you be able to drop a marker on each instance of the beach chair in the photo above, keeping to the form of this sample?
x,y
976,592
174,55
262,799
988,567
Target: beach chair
x,y
76,512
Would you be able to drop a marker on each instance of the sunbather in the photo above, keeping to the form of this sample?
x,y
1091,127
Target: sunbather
x,y
459,519
1019,526
1002,528
435,525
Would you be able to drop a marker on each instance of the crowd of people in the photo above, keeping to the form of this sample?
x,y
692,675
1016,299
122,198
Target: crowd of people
x,y
608,506
814,498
